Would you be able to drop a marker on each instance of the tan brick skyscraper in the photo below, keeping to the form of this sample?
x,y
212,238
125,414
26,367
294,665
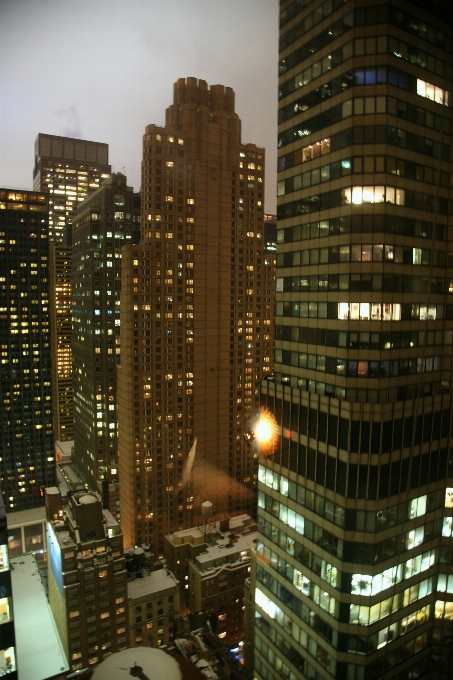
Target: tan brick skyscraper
x,y
196,306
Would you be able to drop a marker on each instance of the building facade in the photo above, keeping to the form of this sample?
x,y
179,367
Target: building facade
x,y
153,605
354,548
26,439
197,305
217,577
87,578
68,170
61,315
106,221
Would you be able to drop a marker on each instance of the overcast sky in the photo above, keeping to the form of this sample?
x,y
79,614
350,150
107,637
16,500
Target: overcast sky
x,y
104,69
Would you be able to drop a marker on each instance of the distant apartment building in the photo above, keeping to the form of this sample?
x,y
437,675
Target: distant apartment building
x,y
68,170
27,458
105,222
197,300
153,602
87,577
211,563
217,577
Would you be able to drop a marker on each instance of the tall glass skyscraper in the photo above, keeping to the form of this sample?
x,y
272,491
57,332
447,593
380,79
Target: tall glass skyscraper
x,y
27,458
68,170
355,500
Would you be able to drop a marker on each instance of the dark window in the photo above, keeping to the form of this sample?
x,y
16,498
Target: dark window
x,y
311,464
355,429
343,434
330,476
352,481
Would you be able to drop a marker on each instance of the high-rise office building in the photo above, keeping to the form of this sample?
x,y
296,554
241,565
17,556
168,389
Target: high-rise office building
x,y
68,169
27,460
354,500
106,221
197,304
60,336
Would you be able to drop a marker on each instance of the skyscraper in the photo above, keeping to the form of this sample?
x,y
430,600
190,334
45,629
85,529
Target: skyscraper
x,y
106,221
196,306
354,499
27,460
60,335
68,169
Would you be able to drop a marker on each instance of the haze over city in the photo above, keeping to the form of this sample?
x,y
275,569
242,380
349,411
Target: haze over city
x,y
103,70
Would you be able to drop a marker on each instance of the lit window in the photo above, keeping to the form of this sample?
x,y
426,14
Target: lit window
x,y
432,92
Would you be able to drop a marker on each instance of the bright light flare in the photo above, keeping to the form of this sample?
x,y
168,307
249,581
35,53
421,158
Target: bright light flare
x,y
267,433
264,430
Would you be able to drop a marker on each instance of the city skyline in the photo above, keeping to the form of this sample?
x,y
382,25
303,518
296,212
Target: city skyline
x,y
76,85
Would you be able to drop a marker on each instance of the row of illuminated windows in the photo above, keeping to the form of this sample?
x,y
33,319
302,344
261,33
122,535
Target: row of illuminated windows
x,y
360,311
312,19
371,45
362,283
360,195
361,165
366,585
373,75
346,224
327,63
362,16
325,173
296,577
414,55
345,138
365,616
366,134
357,520
358,252
357,644
353,552
266,658
169,138
374,553
358,614
303,526
361,369
276,613
362,339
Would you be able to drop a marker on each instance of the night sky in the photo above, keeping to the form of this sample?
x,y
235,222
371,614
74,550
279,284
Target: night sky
x,y
104,69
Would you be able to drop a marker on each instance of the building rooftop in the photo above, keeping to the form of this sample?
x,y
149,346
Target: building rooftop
x,y
66,530
23,517
156,581
146,662
32,618
63,449
224,549
240,523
